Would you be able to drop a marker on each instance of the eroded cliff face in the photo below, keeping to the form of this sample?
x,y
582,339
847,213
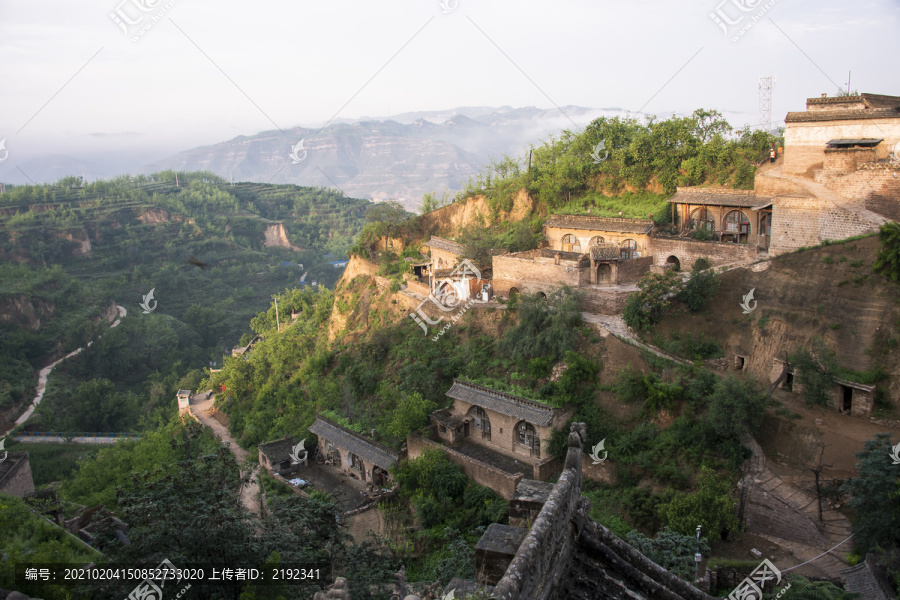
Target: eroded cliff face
x,y
83,241
277,236
451,219
24,311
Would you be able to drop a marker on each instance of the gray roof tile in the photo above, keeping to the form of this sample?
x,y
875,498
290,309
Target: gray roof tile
x,y
369,450
719,197
592,223
444,244
501,402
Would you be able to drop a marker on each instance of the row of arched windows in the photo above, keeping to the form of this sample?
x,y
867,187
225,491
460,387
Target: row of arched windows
x,y
735,221
526,434
570,243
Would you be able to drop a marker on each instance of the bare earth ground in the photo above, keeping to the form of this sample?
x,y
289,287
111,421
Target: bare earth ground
x,y
202,408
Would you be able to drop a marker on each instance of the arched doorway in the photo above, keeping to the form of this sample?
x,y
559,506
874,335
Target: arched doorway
x,y
380,477
738,225
542,295
702,219
570,243
673,263
481,421
356,466
604,273
513,293
527,437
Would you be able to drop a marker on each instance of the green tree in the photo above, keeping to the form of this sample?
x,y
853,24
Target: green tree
x,y
647,307
97,405
875,497
887,262
700,288
736,407
411,414
672,551
711,505
801,588
816,369
547,326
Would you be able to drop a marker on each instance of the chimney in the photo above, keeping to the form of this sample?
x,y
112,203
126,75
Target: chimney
x,y
556,259
824,95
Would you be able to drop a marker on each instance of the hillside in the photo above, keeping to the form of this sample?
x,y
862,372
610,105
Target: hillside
x,y
70,251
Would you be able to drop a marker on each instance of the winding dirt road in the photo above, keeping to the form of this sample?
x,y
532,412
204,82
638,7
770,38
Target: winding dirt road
x,y
45,372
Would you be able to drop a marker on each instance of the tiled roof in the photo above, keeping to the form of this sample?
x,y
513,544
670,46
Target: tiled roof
x,y
718,197
445,417
842,115
444,244
11,465
592,223
550,253
501,402
605,252
279,450
368,450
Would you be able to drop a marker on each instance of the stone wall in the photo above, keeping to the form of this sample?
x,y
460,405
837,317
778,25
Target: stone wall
x,y
545,553
604,302
632,270
522,272
687,251
804,142
504,484
799,221
443,259
16,477
876,184
584,236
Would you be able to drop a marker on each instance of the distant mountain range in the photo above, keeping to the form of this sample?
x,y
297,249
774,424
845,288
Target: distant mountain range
x,y
400,157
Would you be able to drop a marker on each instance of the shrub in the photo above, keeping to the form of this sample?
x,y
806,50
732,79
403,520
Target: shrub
x,y
670,550
700,288
816,368
647,307
736,406
548,327
710,506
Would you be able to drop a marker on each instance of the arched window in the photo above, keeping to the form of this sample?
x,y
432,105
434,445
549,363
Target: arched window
x,y
527,436
570,243
737,222
596,241
627,249
482,422
702,219
440,263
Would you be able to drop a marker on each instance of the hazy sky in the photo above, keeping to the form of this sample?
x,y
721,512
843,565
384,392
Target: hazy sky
x,y
204,71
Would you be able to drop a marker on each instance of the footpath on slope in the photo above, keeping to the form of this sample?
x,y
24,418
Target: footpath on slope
x,y
45,372
203,410
835,527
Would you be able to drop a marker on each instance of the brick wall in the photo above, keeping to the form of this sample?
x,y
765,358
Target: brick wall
x,y
804,143
632,270
17,480
604,302
877,184
481,473
441,259
803,221
520,271
687,251
584,236
844,160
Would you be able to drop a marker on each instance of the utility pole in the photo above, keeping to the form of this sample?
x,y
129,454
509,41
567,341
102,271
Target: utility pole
x,y
698,558
277,322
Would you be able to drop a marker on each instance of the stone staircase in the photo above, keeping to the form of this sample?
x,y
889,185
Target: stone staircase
x,y
789,517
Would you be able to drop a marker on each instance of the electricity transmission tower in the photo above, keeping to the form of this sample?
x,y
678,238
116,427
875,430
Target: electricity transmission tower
x,y
766,84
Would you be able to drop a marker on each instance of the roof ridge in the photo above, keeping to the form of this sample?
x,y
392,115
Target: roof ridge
x,y
358,436
506,395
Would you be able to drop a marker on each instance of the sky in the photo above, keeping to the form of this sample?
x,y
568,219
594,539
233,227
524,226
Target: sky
x,y
153,77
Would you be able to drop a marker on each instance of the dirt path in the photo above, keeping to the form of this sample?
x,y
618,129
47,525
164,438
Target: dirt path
x,y
45,373
366,521
202,408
